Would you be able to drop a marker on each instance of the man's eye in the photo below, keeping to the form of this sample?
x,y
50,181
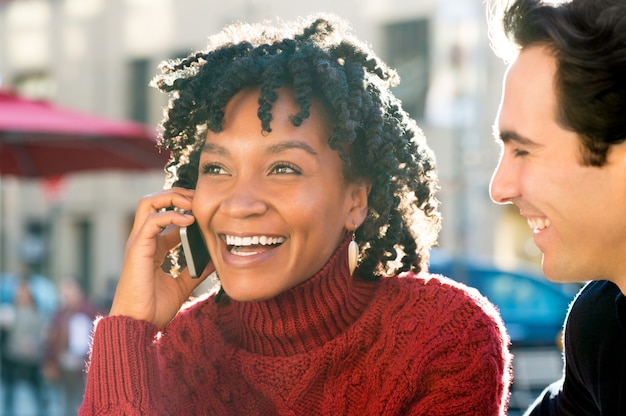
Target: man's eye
x,y
520,152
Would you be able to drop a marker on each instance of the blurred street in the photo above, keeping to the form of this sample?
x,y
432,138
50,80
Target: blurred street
x,y
25,401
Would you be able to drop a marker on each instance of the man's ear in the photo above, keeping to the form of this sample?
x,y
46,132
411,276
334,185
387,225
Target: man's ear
x,y
359,192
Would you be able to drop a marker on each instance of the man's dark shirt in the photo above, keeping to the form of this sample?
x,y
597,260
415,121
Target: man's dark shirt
x,y
595,357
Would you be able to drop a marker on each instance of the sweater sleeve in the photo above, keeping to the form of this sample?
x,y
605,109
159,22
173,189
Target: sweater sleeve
x,y
469,368
122,376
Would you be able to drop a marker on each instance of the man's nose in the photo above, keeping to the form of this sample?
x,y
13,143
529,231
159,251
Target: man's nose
x,y
504,182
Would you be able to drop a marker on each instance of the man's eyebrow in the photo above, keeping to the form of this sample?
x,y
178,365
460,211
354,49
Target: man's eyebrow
x,y
293,144
511,136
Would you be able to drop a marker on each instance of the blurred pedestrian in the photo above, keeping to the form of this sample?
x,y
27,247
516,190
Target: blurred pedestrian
x,y
563,164
23,350
67,343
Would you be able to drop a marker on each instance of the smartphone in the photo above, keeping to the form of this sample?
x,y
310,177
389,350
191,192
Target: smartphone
x,y
196,253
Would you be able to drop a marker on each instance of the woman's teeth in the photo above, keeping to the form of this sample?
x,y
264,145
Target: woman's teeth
x,y
232,240
240,246
236,250
538,224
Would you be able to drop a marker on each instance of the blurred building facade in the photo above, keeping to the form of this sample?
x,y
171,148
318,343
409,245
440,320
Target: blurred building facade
x,y
99,56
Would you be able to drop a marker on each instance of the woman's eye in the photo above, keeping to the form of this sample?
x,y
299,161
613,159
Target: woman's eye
x,y
285,169
212,169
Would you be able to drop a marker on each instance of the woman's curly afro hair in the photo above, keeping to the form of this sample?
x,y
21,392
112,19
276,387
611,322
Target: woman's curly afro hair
x,y
316,58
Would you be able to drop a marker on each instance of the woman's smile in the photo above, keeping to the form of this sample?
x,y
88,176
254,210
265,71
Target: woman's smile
x,y
251,245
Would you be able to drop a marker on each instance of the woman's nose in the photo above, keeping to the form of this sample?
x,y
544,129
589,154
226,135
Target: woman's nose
x,y
247,197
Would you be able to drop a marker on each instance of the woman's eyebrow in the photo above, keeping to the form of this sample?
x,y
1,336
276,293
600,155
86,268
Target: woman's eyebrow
x,y
215,149
292,144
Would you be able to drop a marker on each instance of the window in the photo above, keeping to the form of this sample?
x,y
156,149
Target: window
x,y
35,84
84,242
139,79
407,45
34,246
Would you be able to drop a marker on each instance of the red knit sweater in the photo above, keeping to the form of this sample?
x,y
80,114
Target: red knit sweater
x,y
334,345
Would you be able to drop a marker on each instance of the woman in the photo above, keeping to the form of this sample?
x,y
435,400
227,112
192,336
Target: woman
x,y
287,146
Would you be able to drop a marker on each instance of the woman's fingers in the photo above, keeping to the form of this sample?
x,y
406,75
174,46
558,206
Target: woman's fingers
x,y
144,290
157,235
155,225
173,199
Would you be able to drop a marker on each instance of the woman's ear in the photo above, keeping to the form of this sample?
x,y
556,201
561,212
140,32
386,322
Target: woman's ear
x,y
359,192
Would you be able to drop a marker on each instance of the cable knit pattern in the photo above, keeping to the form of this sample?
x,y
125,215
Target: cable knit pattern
x,y
334,345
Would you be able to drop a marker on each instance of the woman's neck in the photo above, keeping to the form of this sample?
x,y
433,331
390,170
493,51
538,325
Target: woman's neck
x,y
302,318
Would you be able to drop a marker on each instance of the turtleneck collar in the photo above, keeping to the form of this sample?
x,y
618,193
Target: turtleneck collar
x,y
302,318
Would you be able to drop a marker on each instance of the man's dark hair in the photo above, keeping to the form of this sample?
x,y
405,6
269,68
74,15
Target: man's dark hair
x,y
316,58
588,40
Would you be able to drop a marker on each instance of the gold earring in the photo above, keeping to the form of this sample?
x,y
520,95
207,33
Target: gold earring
x,y
353,252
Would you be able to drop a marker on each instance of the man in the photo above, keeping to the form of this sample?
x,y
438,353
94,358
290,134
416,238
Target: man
x,y
562,126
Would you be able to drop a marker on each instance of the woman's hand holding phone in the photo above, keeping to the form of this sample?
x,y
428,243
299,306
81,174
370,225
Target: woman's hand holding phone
x,y
145,291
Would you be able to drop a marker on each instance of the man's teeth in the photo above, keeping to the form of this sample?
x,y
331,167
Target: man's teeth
x,y
538,224
232,240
